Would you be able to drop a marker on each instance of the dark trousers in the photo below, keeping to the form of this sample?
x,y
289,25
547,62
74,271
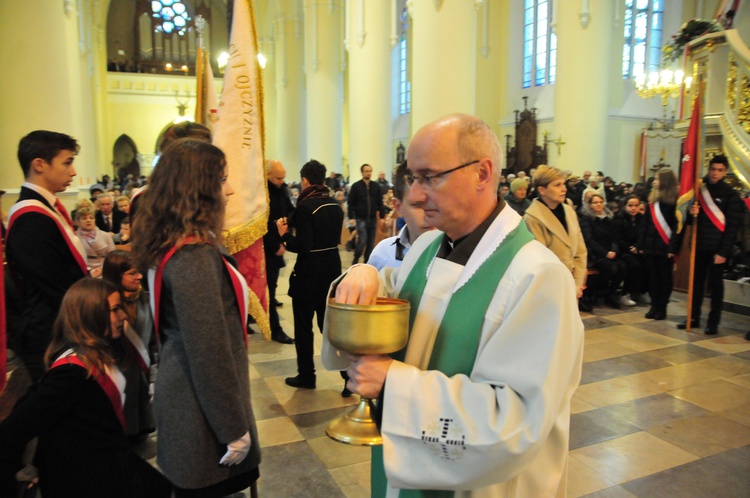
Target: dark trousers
x,y
365,238
660,280
705,267
612,272
635,267
272,276
304,309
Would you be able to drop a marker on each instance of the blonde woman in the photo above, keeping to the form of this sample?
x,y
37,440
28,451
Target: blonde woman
x,y
555,224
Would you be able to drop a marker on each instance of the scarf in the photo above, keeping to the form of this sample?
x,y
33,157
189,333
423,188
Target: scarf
x,y
314,192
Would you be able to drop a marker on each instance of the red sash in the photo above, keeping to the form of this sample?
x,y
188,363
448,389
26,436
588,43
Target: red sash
x,y
660,223
14,214
105,382
710,208
234,276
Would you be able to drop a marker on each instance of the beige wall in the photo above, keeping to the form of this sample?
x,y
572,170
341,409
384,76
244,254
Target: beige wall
x,y
54,78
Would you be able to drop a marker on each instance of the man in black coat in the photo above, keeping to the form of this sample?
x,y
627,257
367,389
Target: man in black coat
x,y
45,256
280,206
317,223
108,219
720,214
364,203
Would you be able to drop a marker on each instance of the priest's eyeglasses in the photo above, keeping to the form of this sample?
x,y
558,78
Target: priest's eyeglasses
x,y
430,181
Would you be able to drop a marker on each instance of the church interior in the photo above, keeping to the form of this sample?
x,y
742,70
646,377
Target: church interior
x,y
660,411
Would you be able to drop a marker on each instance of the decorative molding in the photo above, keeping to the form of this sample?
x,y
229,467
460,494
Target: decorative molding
x,y
347,14
343,48
362,33
478,4
616,18
485,50
438,4
410,8
394,23
553,22
68,7
585,14
314,38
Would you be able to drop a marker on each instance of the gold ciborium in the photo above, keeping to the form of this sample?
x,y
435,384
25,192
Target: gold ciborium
x,y
380,328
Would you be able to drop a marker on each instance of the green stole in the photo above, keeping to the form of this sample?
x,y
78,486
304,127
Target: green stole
x,y
457,339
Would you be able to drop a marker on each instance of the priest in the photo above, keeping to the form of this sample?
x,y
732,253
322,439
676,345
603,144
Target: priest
x,y
479,399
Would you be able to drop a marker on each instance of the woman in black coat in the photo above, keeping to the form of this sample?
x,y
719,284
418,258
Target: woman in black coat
x,y
660,241
76,409
600,235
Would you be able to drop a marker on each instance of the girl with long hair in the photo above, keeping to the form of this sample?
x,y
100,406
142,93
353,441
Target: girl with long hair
x,y
76,410
137,352
661,241
208,441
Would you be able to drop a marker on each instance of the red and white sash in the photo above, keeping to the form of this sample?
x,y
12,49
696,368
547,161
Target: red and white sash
x,y
660,222
713,212
239,284
141,356
70,238
105,381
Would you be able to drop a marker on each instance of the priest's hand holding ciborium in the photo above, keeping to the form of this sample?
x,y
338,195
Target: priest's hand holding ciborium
x,y
378,328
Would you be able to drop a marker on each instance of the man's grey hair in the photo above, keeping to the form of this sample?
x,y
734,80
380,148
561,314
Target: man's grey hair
x,y
477,140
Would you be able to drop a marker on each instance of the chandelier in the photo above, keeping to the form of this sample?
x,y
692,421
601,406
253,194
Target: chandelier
x,y
668,84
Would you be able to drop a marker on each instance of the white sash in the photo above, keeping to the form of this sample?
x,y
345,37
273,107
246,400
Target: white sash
x,y
73,240
662,221
137,343
713,212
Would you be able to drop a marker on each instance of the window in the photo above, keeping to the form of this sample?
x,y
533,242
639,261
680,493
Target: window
x,y
539,44
172,16
404,85
644,23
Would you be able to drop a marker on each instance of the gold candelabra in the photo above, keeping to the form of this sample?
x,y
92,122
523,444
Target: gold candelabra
x,y
667,83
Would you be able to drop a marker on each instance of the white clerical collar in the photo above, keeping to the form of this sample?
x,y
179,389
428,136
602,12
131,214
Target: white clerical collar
x,y
48,196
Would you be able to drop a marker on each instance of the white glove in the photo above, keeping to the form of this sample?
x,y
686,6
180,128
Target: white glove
x,y
236,451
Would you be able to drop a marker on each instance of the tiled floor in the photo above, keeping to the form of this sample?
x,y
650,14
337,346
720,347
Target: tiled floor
x,y
659,413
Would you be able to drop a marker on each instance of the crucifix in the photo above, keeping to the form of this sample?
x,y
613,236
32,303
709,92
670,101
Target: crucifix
x,y
558,142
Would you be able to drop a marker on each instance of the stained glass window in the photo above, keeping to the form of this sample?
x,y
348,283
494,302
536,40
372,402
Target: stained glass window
x,y
172,16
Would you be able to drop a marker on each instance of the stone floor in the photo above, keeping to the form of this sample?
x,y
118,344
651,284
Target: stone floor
x,y
659,412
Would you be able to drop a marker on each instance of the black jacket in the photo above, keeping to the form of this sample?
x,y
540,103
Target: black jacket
x,y
364,201
317,226
82,449
629,229
117,217
43,269
600,235
710,238
279,207
651,242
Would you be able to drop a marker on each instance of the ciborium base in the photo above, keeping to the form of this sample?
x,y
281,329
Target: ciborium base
x,y
356,427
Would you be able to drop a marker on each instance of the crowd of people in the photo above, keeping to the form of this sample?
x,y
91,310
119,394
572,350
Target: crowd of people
x,y
114,357
620,241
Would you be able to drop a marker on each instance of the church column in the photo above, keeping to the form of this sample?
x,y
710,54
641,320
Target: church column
x,y
53,90
370,101
290,89
444,59
270,114
325,81
584,75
